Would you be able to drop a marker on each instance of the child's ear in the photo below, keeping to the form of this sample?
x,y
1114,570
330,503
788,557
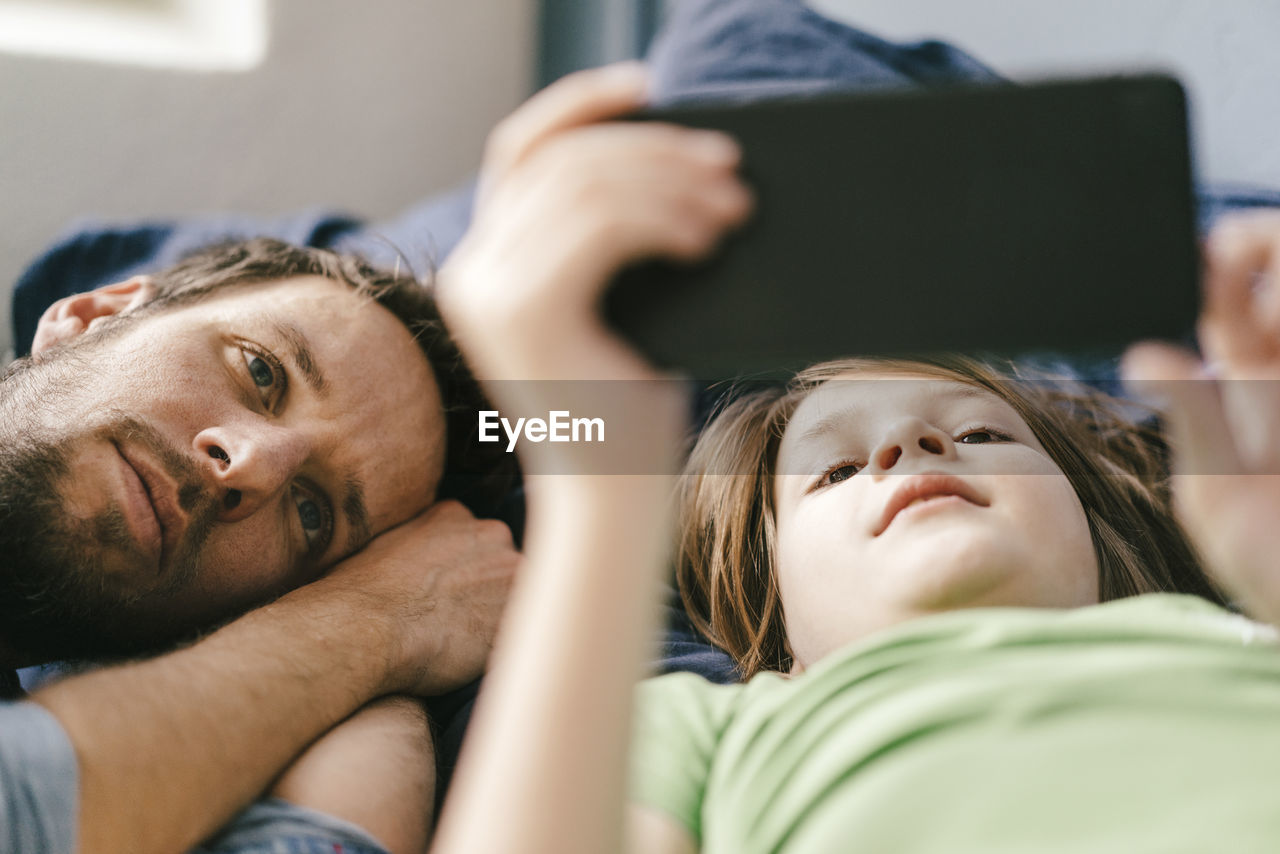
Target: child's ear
x,y
72,316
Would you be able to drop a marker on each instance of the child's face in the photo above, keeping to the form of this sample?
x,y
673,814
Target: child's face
x,y
901,495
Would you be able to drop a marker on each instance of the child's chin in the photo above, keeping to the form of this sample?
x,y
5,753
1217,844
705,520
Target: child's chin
x,y
955,568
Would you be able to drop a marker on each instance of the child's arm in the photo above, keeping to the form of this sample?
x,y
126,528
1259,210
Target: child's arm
x,y
565,203
1224,414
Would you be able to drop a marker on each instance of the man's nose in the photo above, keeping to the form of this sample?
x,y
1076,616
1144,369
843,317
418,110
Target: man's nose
x,y
251,464
908,438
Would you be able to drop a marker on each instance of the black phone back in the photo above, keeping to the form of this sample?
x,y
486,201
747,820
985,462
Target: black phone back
x,y
1049,217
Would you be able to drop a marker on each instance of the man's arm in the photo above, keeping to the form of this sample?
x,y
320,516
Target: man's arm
x,y
364,787
170,749
377,770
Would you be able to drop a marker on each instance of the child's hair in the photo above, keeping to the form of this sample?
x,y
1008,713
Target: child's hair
x,y
728,536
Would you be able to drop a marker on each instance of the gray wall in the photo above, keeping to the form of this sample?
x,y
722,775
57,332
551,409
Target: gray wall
x,y
365,106
1225,53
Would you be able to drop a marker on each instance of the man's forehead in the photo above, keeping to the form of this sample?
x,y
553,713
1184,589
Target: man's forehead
x,y
328,312
319,291
298,296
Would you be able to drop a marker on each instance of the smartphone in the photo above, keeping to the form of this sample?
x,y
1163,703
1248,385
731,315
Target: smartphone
x,y
1052,217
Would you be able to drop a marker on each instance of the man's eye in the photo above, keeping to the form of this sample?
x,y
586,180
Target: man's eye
x,y
267,374
982,436
261,372
315,521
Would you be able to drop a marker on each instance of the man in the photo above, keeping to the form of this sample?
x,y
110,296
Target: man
x,y
256,413
181,448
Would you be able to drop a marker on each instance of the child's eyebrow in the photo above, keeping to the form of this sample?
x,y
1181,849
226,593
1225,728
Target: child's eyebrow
x,y
832,421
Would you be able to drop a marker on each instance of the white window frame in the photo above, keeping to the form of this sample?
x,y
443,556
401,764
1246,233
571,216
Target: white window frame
x,y
196,35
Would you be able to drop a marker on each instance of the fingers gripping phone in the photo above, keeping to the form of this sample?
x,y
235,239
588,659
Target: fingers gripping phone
x,y
1001,219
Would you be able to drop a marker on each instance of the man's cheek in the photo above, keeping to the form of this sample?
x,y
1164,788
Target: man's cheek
x,y
245,561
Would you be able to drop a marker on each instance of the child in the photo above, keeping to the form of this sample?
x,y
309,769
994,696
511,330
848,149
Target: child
x,y
730,526
909,556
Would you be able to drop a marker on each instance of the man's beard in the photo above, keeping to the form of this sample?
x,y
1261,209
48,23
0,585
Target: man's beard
x,y
57,599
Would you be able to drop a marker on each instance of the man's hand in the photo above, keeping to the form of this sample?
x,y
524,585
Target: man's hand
x,y
1224,415
442,578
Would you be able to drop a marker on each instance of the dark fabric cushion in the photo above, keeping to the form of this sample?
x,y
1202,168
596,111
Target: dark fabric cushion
x,y
10,687
750,49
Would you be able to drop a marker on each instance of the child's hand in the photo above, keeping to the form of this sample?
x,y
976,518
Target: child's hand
x,y
1224,415
566,201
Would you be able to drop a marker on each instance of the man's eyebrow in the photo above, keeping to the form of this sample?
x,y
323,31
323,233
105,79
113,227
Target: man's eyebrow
x,y
357,513
303,358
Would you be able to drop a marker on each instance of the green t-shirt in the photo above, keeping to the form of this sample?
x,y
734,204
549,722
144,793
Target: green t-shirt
x,y
1149,724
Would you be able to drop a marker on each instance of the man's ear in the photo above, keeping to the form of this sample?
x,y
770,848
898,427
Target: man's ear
x,y
72,316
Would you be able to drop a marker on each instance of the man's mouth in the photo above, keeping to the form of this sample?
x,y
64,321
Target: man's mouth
x,y
151,507
927,488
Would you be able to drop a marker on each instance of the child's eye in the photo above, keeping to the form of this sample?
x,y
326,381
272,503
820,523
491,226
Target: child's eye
x,y
981,436
837,473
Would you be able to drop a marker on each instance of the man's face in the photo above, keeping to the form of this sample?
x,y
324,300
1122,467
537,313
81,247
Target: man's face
x,y
226,451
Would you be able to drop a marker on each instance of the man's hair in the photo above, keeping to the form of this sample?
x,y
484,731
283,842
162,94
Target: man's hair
x,y
476,473
726,559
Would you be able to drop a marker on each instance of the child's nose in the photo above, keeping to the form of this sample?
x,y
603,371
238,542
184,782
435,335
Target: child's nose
x,y
910,437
